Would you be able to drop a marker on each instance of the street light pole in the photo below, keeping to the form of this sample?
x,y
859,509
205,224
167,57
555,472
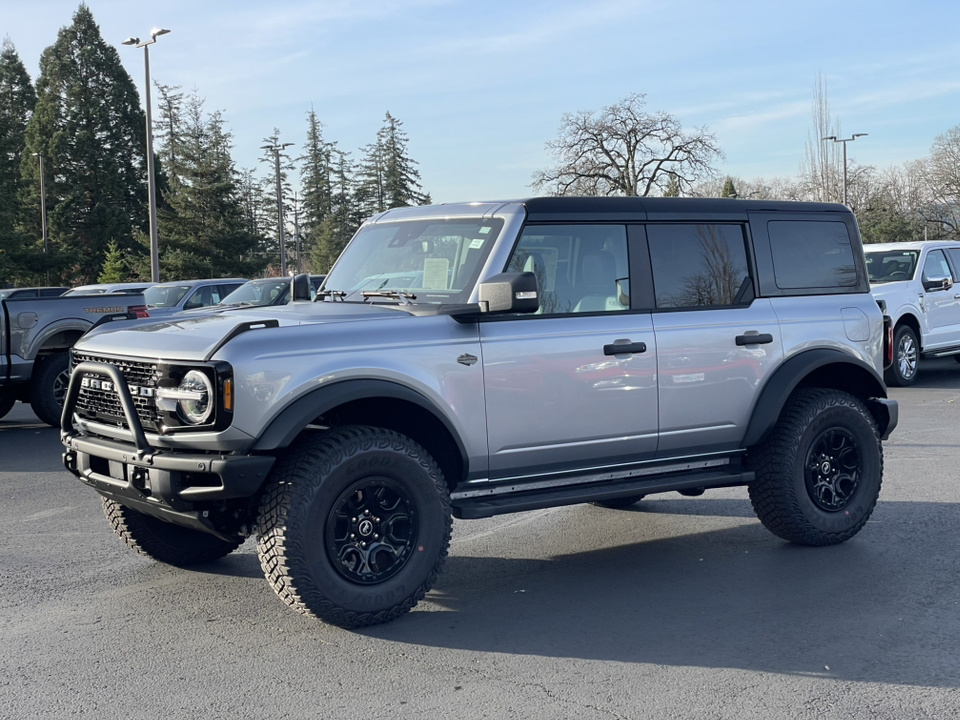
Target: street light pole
x,y
151,176
844,141
43,217
276,150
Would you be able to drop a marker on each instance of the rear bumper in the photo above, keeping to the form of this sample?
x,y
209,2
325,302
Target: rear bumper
x,y
887,414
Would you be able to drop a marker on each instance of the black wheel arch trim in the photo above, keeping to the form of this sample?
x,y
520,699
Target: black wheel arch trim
x,y
295,417
792,372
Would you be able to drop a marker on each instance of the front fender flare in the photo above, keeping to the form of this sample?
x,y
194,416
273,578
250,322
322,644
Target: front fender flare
x,y
294,418
789,375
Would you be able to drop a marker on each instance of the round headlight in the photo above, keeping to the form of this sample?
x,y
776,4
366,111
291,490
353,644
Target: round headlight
x,y
195,397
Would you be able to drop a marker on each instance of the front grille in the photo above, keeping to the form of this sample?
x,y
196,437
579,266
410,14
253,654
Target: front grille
x,y
103,404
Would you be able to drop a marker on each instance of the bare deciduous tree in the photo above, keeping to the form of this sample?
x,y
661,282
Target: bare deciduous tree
x,y
943,179
626,151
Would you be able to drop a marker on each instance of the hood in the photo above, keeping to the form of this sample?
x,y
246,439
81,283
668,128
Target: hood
x,y
197,336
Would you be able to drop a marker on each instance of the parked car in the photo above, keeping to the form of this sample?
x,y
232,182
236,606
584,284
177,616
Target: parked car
x,y
917,282
536,353
172,297
125,288
32,292
266,291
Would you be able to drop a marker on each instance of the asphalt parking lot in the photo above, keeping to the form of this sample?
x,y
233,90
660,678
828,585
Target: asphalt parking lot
x,y
676,608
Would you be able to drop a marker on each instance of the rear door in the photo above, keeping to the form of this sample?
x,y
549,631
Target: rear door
x,y
573,386
716,342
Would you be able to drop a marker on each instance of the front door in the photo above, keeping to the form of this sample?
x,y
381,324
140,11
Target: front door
x,y
572,387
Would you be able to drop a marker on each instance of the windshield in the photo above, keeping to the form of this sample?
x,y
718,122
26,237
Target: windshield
x,y
257,292
432,261
891,265
165,295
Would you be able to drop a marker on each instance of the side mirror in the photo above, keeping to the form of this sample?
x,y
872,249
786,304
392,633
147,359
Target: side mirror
x,y
300,288
510,293
936,284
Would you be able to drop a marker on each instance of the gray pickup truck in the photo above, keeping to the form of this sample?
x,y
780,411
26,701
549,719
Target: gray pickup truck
x,y
482,358
36,333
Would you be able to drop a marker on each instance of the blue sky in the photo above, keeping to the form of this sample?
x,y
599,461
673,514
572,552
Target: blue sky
x,y
480,85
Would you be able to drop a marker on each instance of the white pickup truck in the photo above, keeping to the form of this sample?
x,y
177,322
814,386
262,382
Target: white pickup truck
x,y
918,281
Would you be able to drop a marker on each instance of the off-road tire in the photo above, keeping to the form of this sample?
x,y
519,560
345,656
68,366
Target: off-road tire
x,y
325,495
906,357
619,503
48,387
819,471
163,541
7,400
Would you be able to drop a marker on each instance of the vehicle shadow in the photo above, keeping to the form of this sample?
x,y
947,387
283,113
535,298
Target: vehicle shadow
x,y
936,373
732,598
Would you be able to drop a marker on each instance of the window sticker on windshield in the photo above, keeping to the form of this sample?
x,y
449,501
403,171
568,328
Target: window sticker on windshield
x,y
484,230
435,273
476,243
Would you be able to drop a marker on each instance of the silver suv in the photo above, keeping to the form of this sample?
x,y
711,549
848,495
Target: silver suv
x,y
485,358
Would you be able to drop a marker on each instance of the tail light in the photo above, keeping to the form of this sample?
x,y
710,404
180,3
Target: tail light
x,y
139,310
887,342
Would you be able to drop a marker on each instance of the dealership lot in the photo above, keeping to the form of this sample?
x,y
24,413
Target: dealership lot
x,y
679,607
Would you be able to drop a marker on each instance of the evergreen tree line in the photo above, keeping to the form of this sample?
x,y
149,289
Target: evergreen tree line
x,y
82,124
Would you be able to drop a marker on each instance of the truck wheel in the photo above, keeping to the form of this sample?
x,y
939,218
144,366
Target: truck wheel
x,y
7,400
619,503
906,354
354,525
818,473
48,388
163,541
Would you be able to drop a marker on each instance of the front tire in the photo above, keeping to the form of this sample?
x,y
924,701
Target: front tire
x,y
163,541
906,356
818,473
48,388
7,401
354,525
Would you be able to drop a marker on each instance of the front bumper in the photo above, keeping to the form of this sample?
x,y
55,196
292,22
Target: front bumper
x,y
169,484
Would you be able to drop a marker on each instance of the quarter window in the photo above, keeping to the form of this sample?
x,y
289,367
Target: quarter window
x,y
811,254
697,265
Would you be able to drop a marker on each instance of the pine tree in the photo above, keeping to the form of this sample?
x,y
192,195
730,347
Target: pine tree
x,y
339,225
729,189
401,180
316,181
17,101
387,176
89,126
203,225
114,266
673,187
271,213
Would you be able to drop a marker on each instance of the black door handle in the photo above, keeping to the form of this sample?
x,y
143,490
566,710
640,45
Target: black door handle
x,y
624,348
761,339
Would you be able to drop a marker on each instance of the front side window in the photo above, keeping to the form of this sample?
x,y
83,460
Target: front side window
x,y
698,265
811,254
935,266
427,261
579,268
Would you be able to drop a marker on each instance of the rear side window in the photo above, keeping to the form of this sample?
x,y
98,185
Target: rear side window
x,y
955,259
697,265
811,254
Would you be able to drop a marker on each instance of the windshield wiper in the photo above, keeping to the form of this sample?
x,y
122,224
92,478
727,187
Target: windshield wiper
x,y
404,297
335,294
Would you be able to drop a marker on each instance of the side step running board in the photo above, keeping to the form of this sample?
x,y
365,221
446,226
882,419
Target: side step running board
x,y
490,505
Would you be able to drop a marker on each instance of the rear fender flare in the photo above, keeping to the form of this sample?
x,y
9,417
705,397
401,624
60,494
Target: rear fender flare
x,y
792,373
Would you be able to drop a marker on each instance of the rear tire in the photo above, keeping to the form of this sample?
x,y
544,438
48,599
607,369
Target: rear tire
x,y
906,356
163,541
818,473
48,388
354,525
